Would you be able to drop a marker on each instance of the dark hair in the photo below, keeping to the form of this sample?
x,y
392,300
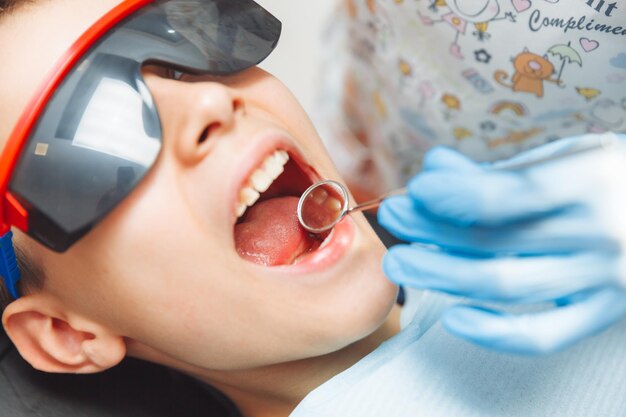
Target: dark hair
x,y
32,278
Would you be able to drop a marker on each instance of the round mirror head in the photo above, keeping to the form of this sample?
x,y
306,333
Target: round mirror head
x,y
322,206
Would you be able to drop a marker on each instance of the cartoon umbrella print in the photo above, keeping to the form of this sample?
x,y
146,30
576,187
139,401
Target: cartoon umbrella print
x,y
567,54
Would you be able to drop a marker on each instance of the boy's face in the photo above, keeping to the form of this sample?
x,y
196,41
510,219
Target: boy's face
x,y
162,269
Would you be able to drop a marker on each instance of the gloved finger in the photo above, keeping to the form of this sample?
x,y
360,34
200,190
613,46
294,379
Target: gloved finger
x,y
538,333
564,146
484,197
493,196
442,158
551,149
506,279
568,232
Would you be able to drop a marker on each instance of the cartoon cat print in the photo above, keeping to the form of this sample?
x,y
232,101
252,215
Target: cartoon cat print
x,y
531,71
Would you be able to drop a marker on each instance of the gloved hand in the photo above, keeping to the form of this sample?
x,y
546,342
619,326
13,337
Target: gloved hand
x,y
554,233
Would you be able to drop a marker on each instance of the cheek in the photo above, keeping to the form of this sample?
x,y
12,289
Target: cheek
x,y
162,282
172,295
140,250
276,99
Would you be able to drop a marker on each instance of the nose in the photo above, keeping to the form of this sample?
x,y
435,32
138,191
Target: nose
x,y
194,114
534,65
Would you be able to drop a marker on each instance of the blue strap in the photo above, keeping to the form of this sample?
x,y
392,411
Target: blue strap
x,y
9,271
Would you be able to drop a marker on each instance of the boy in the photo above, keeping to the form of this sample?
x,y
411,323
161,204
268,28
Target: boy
x,y
221,134
201,266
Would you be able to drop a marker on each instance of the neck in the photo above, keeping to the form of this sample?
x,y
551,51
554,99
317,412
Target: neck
x,y
276,390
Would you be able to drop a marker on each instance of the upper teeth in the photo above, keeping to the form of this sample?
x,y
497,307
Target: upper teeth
x,y
261,179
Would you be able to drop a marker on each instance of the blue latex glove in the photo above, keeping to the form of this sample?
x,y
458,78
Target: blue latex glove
x,y
550,233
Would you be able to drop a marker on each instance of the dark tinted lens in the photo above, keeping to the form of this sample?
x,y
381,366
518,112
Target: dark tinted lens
x,y
100,132
217,37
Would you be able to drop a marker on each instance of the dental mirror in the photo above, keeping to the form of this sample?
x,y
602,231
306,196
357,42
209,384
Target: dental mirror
x,y
325,203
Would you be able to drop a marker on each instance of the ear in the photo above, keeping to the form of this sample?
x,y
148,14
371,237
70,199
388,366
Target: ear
x,y
52,340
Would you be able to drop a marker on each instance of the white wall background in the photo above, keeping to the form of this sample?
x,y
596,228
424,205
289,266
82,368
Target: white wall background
x,y
295,60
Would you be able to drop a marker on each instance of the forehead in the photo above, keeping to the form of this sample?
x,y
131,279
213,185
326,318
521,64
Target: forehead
x,y
33,39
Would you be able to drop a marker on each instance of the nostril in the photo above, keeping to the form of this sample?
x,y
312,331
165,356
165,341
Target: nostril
x,y
203,136
207,131
222,116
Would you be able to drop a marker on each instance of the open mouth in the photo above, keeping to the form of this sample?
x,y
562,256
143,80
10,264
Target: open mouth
x,y
267,231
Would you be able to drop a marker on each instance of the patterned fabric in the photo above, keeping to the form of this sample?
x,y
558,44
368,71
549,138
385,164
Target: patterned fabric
x,y
488,77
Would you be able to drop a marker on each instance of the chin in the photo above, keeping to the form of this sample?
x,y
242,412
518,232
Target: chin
x,y
364,304
377,295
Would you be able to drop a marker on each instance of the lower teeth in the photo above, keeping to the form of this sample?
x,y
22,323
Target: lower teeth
x,y
323,244
327,240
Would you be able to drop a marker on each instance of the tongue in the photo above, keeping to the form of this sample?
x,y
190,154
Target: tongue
x,y
271,234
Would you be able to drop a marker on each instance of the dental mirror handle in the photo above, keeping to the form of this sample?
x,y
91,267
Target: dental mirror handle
x,y
604,142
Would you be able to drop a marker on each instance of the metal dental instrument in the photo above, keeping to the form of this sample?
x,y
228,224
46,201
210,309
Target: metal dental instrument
x,y
325,203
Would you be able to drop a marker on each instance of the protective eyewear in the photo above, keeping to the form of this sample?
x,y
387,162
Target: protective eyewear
x,y
92,132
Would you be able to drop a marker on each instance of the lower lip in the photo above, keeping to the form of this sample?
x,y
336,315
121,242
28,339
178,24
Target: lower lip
x,y
333,250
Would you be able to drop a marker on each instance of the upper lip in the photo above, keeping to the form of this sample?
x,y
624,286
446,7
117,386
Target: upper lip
x,y
263,145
